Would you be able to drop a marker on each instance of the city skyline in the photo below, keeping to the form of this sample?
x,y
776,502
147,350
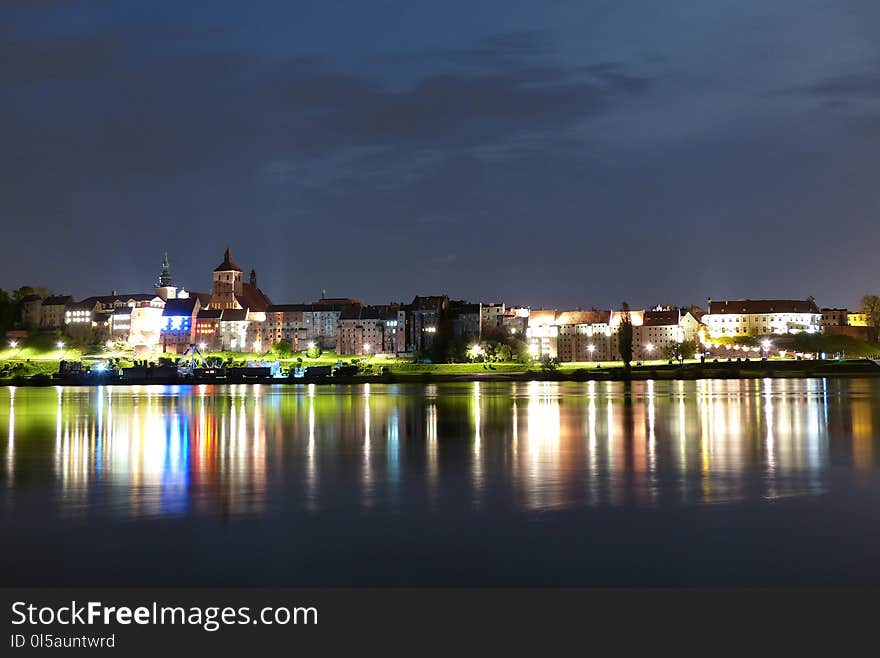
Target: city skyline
x,y
306,297
560,155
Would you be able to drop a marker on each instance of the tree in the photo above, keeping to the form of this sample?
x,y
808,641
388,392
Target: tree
x,y
282,348
625,336
549,364
871,309
680,351
502,352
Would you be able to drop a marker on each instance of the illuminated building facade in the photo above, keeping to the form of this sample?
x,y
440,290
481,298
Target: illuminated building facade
x,y
301,324
759,317
178,326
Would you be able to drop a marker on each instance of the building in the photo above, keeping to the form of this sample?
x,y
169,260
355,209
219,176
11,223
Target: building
x,y
233,331
53,310
30,310
857,319
692,327
112,317
300,325
372,330
467,319
423,316
834,317
759,317
583,335
177,331
491,315
230,293
661,327
515,321
541,334
207,334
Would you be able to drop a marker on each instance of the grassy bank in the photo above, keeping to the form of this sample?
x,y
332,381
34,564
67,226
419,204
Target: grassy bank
x,y
39,372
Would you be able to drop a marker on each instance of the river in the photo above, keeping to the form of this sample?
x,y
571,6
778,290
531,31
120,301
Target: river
x,y
709,482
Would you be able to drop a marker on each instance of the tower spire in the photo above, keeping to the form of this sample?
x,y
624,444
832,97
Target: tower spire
x,y
165,276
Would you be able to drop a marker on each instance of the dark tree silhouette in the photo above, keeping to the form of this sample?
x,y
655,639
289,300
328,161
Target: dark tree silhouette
x,y
625,336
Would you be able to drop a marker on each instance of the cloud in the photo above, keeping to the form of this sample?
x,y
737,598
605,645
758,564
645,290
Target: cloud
x,y
865,85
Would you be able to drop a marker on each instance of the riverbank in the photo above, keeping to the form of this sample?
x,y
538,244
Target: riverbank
x,y
519,373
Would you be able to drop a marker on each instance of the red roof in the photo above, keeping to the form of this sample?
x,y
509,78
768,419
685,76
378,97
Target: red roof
x,y
253,298
754,306
227,265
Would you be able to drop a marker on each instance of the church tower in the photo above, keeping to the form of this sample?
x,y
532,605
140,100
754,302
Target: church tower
x,y
164,287
227,283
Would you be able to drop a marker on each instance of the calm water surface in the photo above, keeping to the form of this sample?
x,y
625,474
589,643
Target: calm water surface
x,y
660,483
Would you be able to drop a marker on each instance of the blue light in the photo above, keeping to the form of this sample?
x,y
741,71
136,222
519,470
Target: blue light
x,y
176,323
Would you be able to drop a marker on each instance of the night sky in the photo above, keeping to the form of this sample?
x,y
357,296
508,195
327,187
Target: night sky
x,y
553,153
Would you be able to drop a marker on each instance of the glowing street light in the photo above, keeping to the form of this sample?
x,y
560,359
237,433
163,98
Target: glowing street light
x,y
202,346
60,344
591,349
366,348
649,347
311,345
13,344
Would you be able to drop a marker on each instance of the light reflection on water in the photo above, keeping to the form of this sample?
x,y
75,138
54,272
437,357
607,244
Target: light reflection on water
x,y
240,450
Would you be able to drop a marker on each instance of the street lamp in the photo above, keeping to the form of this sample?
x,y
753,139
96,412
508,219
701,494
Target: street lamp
x,y
202,346
591,349
311,344
765,348
60,344
13,344
366,348
649,347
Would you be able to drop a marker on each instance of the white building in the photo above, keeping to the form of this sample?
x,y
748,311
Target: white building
x,y
760,317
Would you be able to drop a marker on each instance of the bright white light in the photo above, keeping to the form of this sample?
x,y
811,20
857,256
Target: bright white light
x,y
311,344
258,346
202,346
109,344
13,344
101,367
60,345
592,348
366,347
649,347
765,344
533,350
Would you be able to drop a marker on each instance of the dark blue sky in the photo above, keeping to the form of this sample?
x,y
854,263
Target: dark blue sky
x,y
558,153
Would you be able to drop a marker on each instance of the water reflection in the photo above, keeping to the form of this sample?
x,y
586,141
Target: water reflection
x,y
240,450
